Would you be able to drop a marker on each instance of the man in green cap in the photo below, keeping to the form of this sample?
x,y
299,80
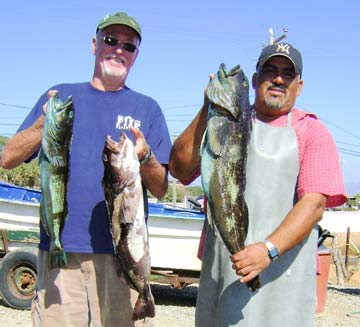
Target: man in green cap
x,y
88,290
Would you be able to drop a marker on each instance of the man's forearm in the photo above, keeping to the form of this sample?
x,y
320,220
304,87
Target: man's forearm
x,y
296,226
154,176
22,145
299,222
184,157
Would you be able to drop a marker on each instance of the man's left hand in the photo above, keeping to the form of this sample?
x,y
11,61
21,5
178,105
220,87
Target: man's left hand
x,y
249,262
141,146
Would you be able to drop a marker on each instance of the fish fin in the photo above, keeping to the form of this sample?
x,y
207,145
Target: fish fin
x,y
144,307
254,284
203,142
43,219
129,206
57,256
217,134
58,161
50,154
220,96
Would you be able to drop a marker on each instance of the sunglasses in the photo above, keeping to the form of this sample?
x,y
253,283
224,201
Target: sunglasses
x,y
114,42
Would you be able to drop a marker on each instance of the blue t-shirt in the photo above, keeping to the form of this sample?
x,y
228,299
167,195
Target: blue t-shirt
x,y
98,114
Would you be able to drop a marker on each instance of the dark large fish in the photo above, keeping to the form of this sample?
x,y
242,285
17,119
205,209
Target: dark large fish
x,y
223,157
54,170
125,203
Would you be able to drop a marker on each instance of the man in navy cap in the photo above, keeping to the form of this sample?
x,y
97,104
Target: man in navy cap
x,y
292,173
89,291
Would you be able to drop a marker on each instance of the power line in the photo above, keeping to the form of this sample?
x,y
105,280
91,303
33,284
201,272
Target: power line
x,y
165,109
14,105
341,128
349,152
182,107
351,144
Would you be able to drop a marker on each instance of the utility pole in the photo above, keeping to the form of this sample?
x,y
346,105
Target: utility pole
x,y
173,137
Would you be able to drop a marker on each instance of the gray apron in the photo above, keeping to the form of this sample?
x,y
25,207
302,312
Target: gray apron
x,y
287,295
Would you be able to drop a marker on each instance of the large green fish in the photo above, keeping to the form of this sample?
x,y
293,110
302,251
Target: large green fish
x,y
54,170
223,158
125,203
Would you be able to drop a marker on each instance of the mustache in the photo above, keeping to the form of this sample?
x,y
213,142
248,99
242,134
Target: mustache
x,y
277,86
115,57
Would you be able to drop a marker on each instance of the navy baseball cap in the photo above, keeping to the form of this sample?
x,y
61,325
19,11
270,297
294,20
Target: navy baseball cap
x,y
281,49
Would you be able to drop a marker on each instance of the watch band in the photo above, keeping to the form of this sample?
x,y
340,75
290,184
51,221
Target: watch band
x,y
273,251
146,157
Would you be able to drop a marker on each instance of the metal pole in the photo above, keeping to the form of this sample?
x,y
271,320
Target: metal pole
x,y
174,192
173,138
347,248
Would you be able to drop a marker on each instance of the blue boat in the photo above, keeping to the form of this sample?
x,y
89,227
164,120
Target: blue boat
x,y
171,229
174,234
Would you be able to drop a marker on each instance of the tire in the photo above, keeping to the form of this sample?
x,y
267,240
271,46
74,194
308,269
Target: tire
x,y
18,276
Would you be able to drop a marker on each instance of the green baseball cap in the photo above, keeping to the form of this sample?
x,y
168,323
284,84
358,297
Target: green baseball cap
x,y
120,18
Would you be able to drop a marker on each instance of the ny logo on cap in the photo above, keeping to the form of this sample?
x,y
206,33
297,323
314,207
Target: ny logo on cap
x,y
283,47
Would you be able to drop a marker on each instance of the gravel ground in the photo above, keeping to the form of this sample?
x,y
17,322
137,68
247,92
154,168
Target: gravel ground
x,y
177,308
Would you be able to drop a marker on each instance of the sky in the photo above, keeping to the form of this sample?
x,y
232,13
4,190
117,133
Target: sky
x,y
44,43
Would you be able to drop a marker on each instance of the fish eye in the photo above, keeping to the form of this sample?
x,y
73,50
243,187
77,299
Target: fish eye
x,y
105,157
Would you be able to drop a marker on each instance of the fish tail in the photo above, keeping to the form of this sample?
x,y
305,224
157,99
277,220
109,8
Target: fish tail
x,y
254,284
144,307
57,256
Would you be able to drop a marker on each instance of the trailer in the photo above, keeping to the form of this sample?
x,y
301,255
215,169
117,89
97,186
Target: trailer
x,y
174,234
19,237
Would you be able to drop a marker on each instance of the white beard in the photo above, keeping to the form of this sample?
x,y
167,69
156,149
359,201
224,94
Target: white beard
x,y
111,71
274,102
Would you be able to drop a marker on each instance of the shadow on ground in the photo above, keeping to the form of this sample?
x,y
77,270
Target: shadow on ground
x,y
166,295
345,290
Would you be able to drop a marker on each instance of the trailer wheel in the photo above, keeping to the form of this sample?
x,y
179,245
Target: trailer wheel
x,y
18,277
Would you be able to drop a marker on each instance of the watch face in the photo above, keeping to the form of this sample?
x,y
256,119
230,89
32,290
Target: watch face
x,y
274,253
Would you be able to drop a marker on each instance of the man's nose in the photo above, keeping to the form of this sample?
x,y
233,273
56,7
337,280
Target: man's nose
x,y
278,79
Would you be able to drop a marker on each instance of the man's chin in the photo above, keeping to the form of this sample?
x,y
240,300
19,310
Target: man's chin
x,y
274,104
115,74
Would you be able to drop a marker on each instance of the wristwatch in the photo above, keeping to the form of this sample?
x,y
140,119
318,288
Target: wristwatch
x,y
146,157
273,252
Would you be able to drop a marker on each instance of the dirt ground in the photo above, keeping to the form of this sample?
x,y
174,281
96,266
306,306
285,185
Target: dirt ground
x,y
354,258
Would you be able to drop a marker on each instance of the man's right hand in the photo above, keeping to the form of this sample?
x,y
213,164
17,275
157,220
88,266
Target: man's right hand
x,y
50,94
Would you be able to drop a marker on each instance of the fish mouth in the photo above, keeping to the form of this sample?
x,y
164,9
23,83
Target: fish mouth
x,y
59,106
61,113
226,90
114,146
232,72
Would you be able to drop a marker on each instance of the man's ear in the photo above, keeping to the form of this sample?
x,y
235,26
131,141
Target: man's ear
x,y
93,45
299,87
254,80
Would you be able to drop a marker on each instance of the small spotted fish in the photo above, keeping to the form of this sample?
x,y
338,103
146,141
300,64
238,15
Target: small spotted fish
x,y
125,203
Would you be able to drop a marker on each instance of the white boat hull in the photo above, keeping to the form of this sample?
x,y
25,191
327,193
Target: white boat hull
x,y
174,234
173,241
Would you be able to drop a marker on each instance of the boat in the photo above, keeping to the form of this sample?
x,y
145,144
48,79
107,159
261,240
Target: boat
x,y
174,234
